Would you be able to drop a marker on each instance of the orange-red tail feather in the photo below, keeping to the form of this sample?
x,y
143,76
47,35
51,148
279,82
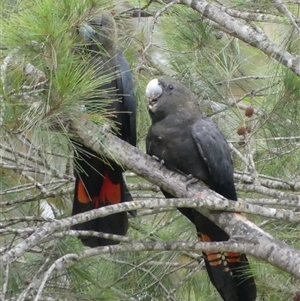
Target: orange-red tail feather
x,y
230,273
97,189
82,195
110,193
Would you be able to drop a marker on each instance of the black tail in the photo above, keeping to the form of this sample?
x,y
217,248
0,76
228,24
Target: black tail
x,y
229,272
97,185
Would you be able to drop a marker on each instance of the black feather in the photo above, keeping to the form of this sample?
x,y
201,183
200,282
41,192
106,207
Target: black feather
x,y
92,171
190,142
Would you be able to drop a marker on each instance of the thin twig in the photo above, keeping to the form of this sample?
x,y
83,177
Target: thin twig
x,y
151,29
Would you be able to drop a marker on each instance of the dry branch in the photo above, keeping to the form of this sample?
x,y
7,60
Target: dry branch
x,y
245,33
266,247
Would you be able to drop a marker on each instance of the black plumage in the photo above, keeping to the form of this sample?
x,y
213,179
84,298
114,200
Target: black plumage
x,y
187,141
99,181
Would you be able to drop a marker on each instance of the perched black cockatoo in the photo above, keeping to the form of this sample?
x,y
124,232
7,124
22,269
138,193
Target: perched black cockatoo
x,y
99,181
191,143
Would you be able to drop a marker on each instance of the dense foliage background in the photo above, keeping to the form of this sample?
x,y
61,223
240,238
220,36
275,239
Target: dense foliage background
x,y
43,80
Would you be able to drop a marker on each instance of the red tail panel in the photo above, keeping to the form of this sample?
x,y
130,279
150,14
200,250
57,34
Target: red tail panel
x,y
230,274
110,193
233,257
218,258
82,196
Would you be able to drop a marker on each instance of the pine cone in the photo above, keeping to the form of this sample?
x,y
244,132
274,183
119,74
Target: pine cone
x,y
249,111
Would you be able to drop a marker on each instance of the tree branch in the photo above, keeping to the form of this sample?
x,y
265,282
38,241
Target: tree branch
x,y
268,248
70,259
284,10
245,33
262,245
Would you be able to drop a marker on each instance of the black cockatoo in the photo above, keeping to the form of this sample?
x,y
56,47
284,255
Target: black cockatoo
x,y
99,181
191,143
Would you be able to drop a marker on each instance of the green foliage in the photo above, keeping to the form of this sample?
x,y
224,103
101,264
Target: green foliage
x,y
223,71
47,41
46,80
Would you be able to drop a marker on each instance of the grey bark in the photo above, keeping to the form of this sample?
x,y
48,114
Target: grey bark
x,y
237,226
240,30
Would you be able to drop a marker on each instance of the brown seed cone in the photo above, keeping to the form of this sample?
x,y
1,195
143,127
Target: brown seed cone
x,y
242,130
249,111
296,296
